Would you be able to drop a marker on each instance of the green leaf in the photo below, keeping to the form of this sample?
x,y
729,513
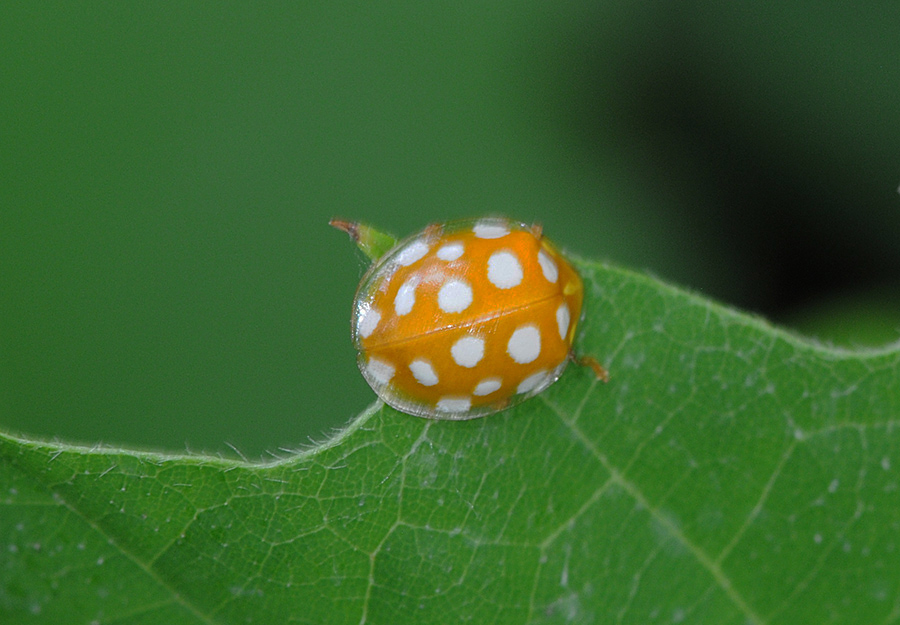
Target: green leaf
x,y
728,473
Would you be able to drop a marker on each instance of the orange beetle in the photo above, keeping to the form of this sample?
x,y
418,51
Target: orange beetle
x,y
464,319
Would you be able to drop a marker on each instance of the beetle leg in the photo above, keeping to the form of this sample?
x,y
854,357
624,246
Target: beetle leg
x,y
595,366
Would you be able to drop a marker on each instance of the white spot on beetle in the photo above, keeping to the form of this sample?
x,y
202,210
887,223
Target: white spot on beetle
x,y
490,230
468,351
532,382
454,404
380,371
423,372
487,386
525,344
451,251
406,297
551,272
368,321
504,270
411,253
562,320
455,296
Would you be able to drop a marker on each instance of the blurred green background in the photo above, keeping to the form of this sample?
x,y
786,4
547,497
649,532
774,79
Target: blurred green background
x,y
167,172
